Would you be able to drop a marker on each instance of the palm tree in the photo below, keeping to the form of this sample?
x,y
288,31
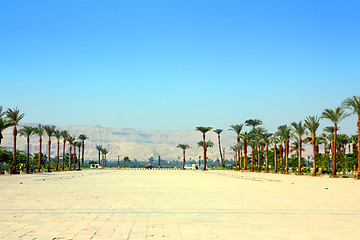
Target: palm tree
x,y
330,136
50,132
274,140
251,142
39,130
354,105
295,147
341,141
281,149
237,129
218,132
285,132
4,124
324,139
57,134
104,152
300,130
98,147
253,123
245,137
204,130
207,145
15,117
183,147
82,137
257,141
64,135
78,146
70,139
258,134
234,149
335,116
312,123
267,140
1,112
27,131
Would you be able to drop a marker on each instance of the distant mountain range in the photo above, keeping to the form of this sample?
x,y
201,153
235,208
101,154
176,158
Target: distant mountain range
x,y
133,143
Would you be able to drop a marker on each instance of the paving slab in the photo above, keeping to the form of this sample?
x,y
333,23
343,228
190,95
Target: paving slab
x,y
143,204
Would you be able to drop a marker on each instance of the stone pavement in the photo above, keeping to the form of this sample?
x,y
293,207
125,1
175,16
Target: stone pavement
x,y
124,204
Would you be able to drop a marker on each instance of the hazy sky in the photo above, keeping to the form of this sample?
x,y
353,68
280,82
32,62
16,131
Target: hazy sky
x,y
178,64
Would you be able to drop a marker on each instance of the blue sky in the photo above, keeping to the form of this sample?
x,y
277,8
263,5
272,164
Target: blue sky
x,y
178,64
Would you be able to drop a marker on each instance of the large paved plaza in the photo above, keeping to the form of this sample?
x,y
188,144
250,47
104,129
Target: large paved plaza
x,y
150,204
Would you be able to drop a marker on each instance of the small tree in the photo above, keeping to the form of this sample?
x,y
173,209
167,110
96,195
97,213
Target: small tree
x,y
183,147
27,131
15,117
206,145
126,160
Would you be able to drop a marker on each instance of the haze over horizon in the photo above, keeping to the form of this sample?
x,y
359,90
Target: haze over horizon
x,y
169,65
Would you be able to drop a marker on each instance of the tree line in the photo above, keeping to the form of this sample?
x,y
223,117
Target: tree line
x,y
259,140
12,118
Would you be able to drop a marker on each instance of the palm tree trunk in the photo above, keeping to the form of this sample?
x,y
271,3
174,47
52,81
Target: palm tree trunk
x,y
281,155
105,160
314,153
63,162
39,163
99,157
221,156
27,155
238,150
183,159
224,154
334,151
259,160
74,157
252,159
58,153
70,157
245,154
204,151
49,145
83,146
240,158
267,154
14,151
358,169
287,155
275,158
299,165
79,158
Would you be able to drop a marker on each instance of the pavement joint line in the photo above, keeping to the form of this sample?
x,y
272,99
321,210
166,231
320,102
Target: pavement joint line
x,y
175,210
193,212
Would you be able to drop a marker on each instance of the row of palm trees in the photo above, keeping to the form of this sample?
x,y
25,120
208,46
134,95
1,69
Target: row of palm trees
x,y
258,138
12,117
103,152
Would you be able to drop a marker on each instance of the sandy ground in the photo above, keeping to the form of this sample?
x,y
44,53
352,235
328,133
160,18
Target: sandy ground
x,y
154,204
